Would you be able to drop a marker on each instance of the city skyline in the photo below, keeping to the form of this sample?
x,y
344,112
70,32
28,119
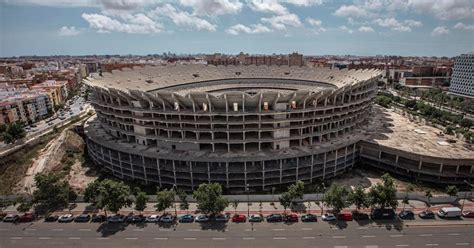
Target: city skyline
x,y
311,27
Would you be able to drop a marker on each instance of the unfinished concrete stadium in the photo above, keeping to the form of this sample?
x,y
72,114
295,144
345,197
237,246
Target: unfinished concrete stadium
x,y
246,127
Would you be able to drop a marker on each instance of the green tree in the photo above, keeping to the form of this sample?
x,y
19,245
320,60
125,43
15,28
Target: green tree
x,y
209,198
165,199
336,197
13,132
24,205
113,196
51,191
405,201
466,123
235,204
384,195
452,190
428,196
92,192
383,101
141,200
296,190
358,197
285,200
183,198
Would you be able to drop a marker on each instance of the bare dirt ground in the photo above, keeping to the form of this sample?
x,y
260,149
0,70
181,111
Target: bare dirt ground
x,y
80,176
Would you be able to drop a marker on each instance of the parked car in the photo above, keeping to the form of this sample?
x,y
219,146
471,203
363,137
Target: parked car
x,y
452,212
328,217
167,218
27,217
66,218
186,218
255,218
51,218
11,218
309,218
239,218
98,218
359,216
135,218
202,218
382,214
468,214
345,216
82,218
275,218
291,218
427,214
118,218
222,218
406,214
153,218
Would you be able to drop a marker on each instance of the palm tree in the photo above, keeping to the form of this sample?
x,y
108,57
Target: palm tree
x,y
409,188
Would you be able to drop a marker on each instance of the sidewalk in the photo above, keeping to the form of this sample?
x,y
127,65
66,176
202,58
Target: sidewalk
x,y
254,208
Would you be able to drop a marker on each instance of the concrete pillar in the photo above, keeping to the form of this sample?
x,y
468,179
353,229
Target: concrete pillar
x,y
380,154
263,175
396,159
441,168
191,174
159,171
174,172
144,169
281,170
420,164
457,169
312,168
208,173
227,173
297,167
335,163
324,166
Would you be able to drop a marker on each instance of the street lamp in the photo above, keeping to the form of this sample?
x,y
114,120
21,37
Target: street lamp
x,y
465,194
248,199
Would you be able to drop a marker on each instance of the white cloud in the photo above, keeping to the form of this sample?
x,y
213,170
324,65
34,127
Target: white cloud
x,y
393,24
213,7
445,9
182,18
280,22
345,28
463,26
440,30
253,29
350,11
366,29
123,4
413,23
68,31
305,3
55,3
314,22
268,6
137,24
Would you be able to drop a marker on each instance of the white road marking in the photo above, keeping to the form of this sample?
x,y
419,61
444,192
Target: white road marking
x,y
59,229
368,236
309,237
44,238
402,245
4,229
16,238
462,243
85,230
194,230
340,246
453,234
279,237
371,246
103,238
432,244
131,238
249,230
278,229
219,238
164,230
338,237
248,238
30,229
138,230
426,235
363,227
74,238
189,238
161,238
306,229
396,235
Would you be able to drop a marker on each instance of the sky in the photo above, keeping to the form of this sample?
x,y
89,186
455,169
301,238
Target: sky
x,y
311,27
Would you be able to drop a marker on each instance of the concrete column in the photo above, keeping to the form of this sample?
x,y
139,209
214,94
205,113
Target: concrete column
x,y
263,175
191,174
120,163
312,169
457,169
208,173
174,172
324,165
420,164
144,169
380,154
297,167
281,170
335,164
158,169
396,159
245,174
441,168
227,173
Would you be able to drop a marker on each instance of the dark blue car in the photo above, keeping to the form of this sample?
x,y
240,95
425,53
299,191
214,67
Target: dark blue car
x,y
186,218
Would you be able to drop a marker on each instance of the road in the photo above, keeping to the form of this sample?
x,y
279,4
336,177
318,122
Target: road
x,y
320,234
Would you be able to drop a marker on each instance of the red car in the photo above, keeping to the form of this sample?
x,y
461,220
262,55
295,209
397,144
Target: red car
x,y
28,217
291,218
345,217
468,214
239,218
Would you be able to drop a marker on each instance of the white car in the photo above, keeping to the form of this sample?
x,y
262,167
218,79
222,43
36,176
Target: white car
x,y
66,218
167,218
153,218
328,217
202,218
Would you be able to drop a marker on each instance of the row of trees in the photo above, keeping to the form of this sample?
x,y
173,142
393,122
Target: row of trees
x,y
12,132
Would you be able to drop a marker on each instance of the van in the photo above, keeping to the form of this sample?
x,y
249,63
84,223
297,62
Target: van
x,y
382,214
451,212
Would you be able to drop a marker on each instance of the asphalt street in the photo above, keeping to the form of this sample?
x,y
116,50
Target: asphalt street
x,y
320,234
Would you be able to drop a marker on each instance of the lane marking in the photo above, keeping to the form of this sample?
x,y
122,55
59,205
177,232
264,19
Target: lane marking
x,y
30,229
396,235
74,238
189,238
340,246
219,238
131,238
59,229
432,244
426,235
103,238
462,243
194,230
278,229
363,227
338,237
454,234
4,229
161,238
248,238
307,229
164,230
85,230
16,238
138,230
371,246
402,245
279,237
368,236
309,237
44,238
